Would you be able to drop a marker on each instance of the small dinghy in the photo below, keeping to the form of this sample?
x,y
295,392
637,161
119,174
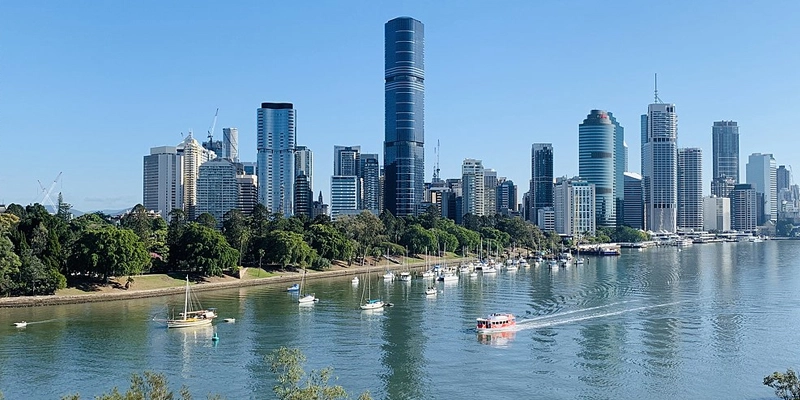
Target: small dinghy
x,y
20,324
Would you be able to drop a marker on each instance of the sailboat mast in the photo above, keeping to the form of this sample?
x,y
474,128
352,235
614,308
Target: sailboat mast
x,y
186,299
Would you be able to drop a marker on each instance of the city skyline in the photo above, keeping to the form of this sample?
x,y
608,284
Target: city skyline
x,y
170,78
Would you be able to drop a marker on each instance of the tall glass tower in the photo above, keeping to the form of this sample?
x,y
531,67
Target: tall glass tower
x,y
724,157
276,147
403,151
660,168
596,148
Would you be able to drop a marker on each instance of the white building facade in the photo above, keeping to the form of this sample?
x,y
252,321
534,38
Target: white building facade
x,y
163,180
574,207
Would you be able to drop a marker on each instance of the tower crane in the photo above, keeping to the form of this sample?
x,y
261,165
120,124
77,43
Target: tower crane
x,y
211,129
46,193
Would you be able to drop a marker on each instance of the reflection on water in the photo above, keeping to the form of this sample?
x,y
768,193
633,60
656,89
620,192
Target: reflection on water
x,y
647,324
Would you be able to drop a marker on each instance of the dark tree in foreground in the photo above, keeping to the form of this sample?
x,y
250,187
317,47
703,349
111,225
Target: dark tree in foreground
x,y
150,386
295,384
787,386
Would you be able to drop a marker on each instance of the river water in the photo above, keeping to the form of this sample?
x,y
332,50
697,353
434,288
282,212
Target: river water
x,y
706,322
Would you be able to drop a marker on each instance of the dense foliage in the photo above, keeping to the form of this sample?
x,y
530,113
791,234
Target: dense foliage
x,y
40,252
786,385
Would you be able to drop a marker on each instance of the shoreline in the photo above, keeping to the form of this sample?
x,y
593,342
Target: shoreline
x,y
53,300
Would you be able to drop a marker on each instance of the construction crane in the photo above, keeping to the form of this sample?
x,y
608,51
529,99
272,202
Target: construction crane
x,y
46,199
211,129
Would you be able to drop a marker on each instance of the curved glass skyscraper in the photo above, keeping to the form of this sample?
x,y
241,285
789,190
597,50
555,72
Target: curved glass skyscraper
x,y
596,147
403,152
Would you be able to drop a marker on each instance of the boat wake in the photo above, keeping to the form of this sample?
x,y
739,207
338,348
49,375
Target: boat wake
x,y
578,315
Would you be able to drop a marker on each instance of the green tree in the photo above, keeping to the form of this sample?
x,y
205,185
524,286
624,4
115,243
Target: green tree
x,y
206,219
138,220
447,241
149,386
63,209
109,251
393,227
329,242
295,384
36,278
288,248
365,228
9,266
418,239
237,231
786,386
203,250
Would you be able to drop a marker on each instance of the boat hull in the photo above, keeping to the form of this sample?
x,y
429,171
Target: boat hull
x,y
188,323
372,306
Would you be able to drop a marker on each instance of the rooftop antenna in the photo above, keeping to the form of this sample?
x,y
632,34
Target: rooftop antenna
x,y
658,101
437,150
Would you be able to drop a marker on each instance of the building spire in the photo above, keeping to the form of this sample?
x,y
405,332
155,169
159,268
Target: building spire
x,y
657,100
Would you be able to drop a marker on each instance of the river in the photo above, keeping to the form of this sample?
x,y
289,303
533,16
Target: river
x,y
709,321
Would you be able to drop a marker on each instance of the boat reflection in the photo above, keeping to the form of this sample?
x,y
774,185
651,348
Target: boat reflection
x,y
497,339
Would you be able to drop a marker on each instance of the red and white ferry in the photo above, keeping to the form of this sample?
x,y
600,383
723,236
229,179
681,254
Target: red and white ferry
x,y
496,322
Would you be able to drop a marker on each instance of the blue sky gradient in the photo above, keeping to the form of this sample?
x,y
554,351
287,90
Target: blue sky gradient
x,y
88,87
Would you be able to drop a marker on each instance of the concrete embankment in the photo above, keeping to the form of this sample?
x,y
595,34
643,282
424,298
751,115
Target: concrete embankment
x,y
35,301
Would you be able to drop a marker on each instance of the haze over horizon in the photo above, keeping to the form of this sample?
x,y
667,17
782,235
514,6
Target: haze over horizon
x,y
88,89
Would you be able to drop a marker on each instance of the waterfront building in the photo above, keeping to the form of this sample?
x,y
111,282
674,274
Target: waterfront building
x,y
541,185
370,183
344,195
596,163
276,146
304,164
489,192
574,207
762,174
783,178
633,215
193,155
248,192
473,186
743,207
303,196
716,214
163,180
404,155
217,188
659,172
724,156
690,189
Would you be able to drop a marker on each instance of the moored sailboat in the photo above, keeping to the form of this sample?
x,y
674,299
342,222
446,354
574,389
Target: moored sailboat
x,y
191,317
370,303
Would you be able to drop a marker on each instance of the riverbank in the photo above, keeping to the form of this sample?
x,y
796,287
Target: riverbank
x,y
170,286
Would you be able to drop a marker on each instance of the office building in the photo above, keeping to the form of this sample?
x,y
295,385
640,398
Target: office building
x,y
716,214
217,189
404,155
506,197
725,151
541,185
303,196
762,174
489,192
344,195
546,219
659,172
276,146
304,164
346,160
721,186
743,208
162,180
632,214
574,207
620,166
596,163
690,189
472,187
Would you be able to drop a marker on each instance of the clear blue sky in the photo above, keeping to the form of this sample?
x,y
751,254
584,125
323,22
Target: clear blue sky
x,y
88,87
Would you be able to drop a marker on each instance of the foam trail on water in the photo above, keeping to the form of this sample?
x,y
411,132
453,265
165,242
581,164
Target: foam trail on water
x,y
534,324
576,311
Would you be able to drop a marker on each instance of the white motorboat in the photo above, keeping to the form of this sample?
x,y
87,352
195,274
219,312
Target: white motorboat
x,y
448,277
489,269
405,276
20,324
428,274
388,276
354,281
496,322
190,316
463,268
473,274
511,267
431,291
230,320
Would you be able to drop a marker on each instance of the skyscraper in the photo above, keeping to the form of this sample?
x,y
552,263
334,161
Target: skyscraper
x,y
596,163
620,166
370,183
541,187
193,155
660,174
473,186
506,197
346,160
163,180
489,191
304,164
762,174
217,188
690,189
574,207
724,153
632,209
403,154
743,207
230,144
276,146
344,195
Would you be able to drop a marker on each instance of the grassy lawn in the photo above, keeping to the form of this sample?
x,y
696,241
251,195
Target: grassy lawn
x,y
253,273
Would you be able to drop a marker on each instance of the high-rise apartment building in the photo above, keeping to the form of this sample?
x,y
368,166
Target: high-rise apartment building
x,y
217,188
783,178
724,157
403,154
163,180
632,214
276,146
506,197
596,163
344,195
193,155
574,207
248,192
304,164
303,196
762,174
690,189
541,185
489,191
659,172
370,183
473,187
